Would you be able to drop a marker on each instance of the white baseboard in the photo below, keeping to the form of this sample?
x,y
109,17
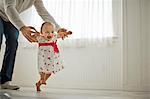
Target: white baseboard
x,y
135,87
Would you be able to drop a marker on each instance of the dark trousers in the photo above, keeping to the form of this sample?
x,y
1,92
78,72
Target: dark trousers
x,y
11,34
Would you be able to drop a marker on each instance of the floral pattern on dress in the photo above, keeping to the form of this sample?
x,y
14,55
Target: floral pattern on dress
x,y
48,60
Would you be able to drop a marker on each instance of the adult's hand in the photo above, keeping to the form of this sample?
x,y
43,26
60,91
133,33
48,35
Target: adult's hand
x,y
27,31
62,30
63,33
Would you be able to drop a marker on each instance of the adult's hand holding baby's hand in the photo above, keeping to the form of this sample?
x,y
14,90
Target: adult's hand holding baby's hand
x,y
27,31
63,33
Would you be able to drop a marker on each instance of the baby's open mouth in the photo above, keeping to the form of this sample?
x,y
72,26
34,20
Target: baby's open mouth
x,y
49,37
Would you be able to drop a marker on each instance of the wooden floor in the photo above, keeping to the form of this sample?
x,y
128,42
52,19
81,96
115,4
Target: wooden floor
x,y
30,93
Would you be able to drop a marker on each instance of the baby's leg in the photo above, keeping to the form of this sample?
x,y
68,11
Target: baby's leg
x,y
38,86
47,76
40,82
43,78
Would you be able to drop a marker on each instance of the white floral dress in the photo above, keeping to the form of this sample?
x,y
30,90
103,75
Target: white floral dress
x,y
49,60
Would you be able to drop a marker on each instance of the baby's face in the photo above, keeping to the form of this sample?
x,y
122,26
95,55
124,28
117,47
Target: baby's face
x,y
47,29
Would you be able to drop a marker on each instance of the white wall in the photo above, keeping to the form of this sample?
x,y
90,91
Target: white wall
x,y
149,42
135,45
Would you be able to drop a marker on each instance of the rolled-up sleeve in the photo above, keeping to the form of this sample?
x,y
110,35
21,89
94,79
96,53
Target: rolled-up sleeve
x,y
12,13
44,13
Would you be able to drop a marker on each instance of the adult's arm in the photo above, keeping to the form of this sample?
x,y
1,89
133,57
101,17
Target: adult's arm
x,y
14,18
12,13
45,14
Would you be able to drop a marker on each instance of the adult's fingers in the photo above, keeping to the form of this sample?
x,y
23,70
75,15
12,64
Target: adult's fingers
x,y
62,38
29,37
33,39
61,34
62,30
35,31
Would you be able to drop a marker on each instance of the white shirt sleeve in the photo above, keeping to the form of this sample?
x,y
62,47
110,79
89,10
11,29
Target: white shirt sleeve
x,y
12,14
45,14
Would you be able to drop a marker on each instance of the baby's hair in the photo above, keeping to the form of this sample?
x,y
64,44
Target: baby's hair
x,y
44,24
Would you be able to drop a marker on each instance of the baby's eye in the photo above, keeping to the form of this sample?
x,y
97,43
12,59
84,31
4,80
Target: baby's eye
x,y
47,32
52,31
